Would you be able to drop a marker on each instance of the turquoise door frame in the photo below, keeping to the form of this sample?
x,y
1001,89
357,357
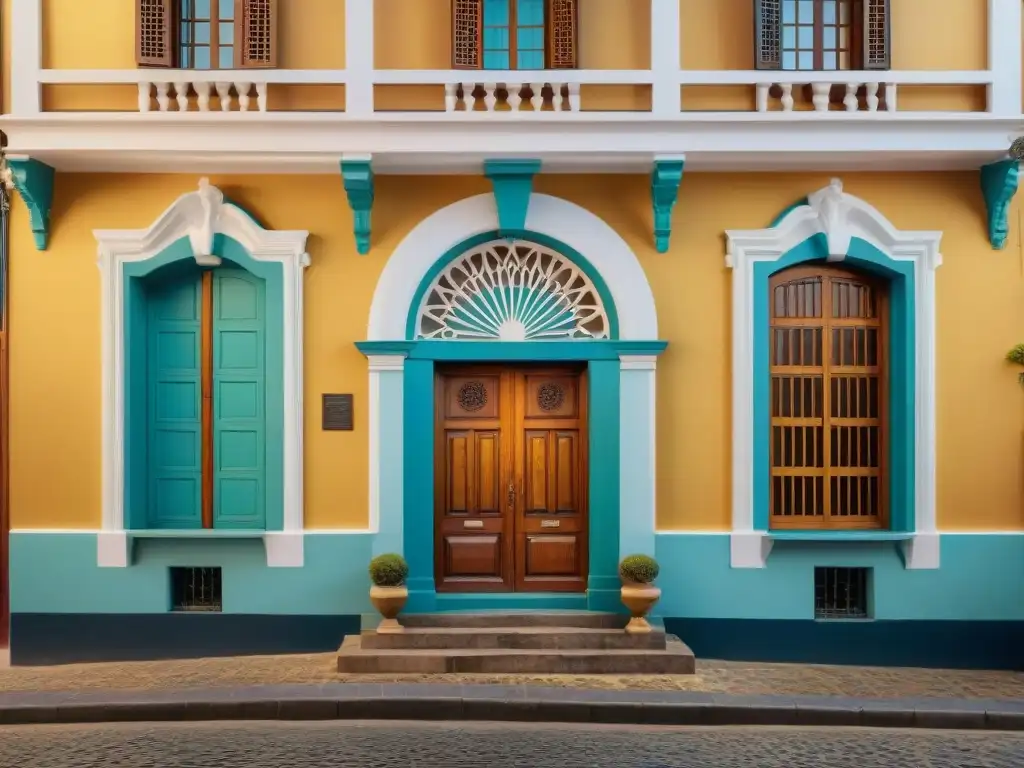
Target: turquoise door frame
x,y
408,524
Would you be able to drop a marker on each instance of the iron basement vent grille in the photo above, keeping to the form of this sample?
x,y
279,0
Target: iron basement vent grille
x,y
196,590
841,593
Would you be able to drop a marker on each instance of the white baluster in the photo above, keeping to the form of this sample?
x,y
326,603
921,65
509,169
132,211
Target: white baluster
x,y
872,96
468,89
145,89
242,89
820,97
451,96
224,92
202,96
761,99
556,96
162,99
537,100
261,96
574,97
787,97
181,96
515,96
850,100
490,96
890,97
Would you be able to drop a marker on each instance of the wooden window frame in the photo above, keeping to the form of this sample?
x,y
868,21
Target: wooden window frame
x,y
855,46
870,47
827,323
513,34
549,36
214,45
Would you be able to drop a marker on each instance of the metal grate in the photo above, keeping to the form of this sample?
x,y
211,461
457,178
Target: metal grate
x,y
563,34
196,590
841,593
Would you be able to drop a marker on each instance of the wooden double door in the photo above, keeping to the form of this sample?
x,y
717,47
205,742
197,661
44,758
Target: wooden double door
x,y
511,479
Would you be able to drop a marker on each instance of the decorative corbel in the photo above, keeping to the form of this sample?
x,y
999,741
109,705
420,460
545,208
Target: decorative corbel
x,y
357,176
999,183
665,180
34,181
513,184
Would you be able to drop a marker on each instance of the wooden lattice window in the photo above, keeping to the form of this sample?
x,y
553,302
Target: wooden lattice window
x,y
822,35
206,34
828,368
514,34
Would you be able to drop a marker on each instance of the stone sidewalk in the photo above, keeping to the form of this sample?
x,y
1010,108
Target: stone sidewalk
x,y
717,677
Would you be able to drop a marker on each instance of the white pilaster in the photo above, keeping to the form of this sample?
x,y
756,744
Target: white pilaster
x,y
359,57
26,55
665,58
637,486
1004,57
386,408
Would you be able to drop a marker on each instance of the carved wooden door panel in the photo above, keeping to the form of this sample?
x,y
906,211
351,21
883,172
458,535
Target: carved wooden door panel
x,y
473,491
510,480
550,463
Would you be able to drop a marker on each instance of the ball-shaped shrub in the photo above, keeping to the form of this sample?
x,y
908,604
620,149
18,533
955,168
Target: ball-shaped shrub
x,y
388,570
639,569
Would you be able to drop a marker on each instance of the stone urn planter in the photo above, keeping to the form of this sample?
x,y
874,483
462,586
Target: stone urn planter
x,y
639,594
388,592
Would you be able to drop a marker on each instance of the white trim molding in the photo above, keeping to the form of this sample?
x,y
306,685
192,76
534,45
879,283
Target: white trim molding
x,y
840,217
638,485
560,219
199,216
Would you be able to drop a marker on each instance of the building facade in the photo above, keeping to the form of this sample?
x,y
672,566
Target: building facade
x,y
515,288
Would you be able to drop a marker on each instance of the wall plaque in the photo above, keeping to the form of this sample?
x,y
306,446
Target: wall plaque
x,y
337,412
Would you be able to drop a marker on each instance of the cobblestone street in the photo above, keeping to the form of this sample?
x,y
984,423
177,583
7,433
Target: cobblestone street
x,y
339,745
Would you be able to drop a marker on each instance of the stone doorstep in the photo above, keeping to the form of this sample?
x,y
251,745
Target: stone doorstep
x,y
542,637
514,619
676,659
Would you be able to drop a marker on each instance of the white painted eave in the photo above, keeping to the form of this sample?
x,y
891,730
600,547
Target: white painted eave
x,y
290,142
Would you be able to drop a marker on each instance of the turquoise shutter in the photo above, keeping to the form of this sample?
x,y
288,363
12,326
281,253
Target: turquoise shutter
x,y
239,400
174,414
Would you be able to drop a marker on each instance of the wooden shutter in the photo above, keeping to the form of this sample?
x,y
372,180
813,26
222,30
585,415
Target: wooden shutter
x,y
467,33
155,33
768,34
828,400
255,33
877,34
562,34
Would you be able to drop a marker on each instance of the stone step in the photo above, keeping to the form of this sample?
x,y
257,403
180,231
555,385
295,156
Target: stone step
x,y
676,659
551,638
509,619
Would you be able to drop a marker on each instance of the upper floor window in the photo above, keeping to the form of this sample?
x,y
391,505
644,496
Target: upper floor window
x,y
514,34
822,35
828,400
206,34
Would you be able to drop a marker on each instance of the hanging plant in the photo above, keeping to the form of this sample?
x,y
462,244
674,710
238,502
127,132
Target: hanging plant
x,y
1016,356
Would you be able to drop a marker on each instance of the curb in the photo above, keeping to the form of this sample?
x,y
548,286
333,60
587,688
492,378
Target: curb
x,y
513,703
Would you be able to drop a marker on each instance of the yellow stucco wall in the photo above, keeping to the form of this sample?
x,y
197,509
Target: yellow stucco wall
x,y
55,359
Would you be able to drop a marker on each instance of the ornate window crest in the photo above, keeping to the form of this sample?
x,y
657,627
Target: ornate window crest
x,y
518,291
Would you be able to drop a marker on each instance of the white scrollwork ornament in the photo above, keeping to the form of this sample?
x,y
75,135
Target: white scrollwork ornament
x,y
517,291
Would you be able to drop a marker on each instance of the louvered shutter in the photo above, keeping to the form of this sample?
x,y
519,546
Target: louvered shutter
x,y
562,34
768,34
877,34
255,33
155,38
467,31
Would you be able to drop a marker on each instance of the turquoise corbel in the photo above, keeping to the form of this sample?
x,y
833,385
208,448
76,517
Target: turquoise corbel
x,y
34,181
357,176
513,184
665,180
999,183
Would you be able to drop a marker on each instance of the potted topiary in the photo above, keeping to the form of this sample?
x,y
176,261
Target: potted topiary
x,y
1016,356
388,592
639,594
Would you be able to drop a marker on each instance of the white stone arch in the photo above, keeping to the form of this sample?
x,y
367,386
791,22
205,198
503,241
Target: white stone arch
x,y
840,217
199,216
554,217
